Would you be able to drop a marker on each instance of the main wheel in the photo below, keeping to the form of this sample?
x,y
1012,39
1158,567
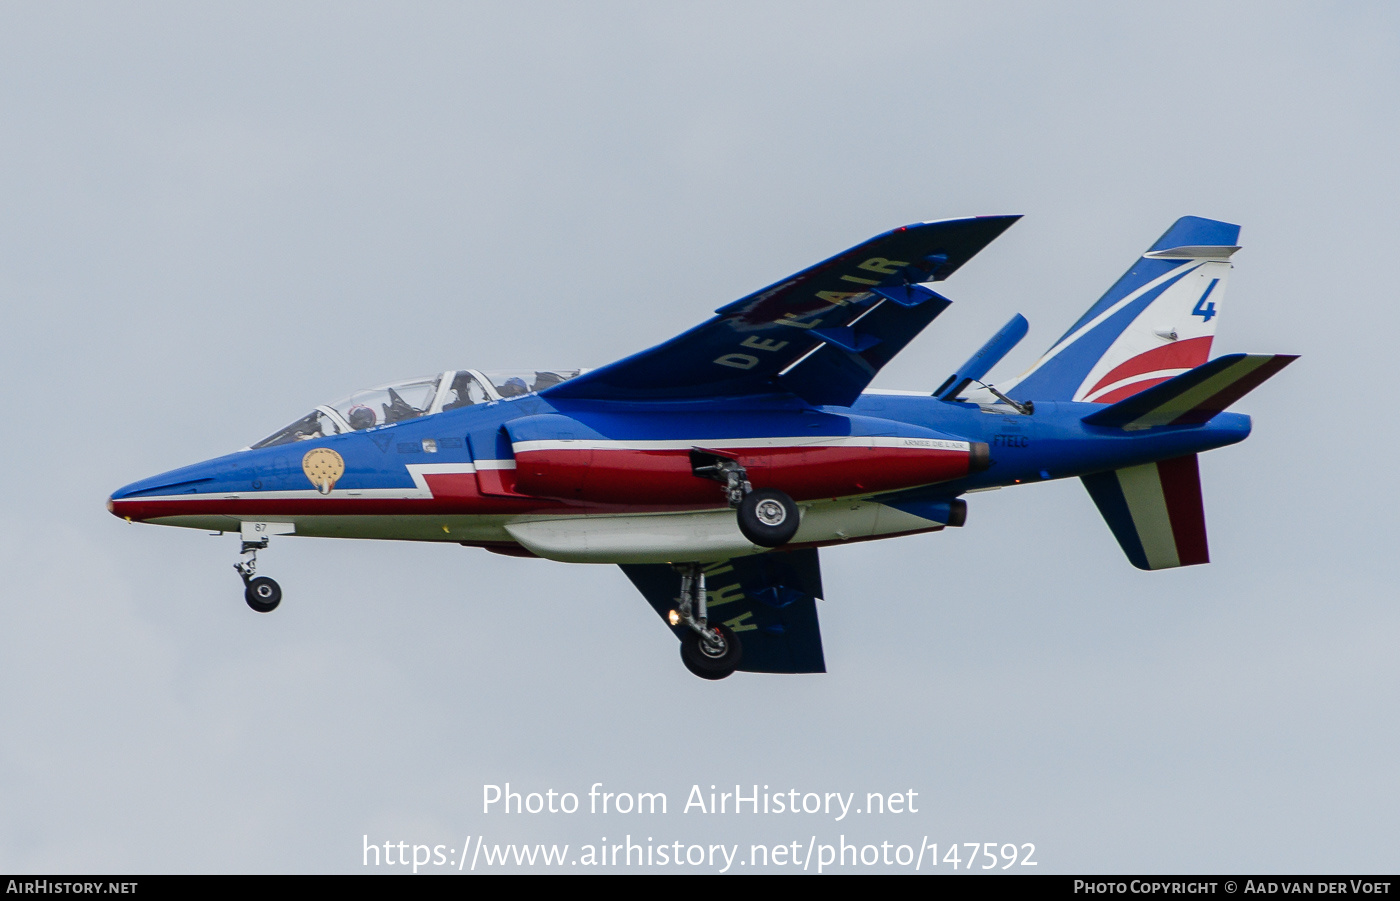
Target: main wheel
x,y
768,517
712,660
263,594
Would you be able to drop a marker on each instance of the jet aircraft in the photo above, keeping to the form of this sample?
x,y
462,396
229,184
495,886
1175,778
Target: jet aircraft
x,y
713,466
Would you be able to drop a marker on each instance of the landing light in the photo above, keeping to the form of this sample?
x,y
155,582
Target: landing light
x,y
673,618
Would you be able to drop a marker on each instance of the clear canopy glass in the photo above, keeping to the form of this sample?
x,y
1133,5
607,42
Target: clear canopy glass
x,y
315,424
412,398
464,390
388,404
517,382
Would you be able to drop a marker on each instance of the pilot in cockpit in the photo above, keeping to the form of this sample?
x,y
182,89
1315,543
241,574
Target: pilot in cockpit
x,y
412,398
361,417
462,385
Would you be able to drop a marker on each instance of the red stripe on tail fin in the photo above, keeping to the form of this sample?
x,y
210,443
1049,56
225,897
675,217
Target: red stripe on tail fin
x,y
1185,354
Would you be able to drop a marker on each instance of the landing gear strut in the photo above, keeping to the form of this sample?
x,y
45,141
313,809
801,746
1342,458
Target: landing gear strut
x,y
261,593
710,652
767,517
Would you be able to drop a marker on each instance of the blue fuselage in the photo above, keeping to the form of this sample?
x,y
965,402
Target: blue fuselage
x,y
489,474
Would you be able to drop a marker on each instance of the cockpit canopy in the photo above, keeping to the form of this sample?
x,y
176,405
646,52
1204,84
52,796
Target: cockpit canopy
x,y
413,398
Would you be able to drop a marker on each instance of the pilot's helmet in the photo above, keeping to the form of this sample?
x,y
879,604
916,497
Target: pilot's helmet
x,y
361,417
514,387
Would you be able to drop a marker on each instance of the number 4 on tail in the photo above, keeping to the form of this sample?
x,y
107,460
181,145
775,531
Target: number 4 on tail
x,y
1206,310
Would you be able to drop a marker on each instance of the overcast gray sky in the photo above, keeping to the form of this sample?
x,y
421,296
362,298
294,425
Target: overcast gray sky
x,y
216,216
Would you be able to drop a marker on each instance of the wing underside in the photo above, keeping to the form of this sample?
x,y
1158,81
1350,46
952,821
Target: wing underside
x,y
769,600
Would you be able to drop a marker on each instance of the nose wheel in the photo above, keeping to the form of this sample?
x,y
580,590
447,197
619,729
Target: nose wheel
x,y
261,593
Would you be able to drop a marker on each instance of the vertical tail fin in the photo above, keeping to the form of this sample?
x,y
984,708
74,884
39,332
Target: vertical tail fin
x,y
1156,322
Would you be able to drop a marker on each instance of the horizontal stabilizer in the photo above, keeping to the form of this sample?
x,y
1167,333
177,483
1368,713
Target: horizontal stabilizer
x,y
1193,397
769,600
987,356
1155,511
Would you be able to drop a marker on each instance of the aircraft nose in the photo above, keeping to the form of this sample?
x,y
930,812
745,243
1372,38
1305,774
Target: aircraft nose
x,y
116,508
115,505
120,510
126,502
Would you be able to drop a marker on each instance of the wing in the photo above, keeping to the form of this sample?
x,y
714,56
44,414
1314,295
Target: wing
x,y
821,334
768,600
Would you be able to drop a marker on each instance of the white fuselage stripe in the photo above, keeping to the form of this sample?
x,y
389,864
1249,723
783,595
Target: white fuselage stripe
x,y
866,442
419,470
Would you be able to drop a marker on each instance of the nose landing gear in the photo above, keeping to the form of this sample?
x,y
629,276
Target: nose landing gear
x,y
710,652
261,593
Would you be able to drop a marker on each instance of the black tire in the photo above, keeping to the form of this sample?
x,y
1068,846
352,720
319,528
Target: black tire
x,y
768,517
263,594
704,662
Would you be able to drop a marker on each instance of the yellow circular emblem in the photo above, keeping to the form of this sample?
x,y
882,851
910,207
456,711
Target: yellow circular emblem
x,y
323,467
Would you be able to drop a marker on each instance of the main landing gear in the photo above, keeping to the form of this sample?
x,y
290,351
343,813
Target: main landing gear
x,y
710,652
261,593
767,517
